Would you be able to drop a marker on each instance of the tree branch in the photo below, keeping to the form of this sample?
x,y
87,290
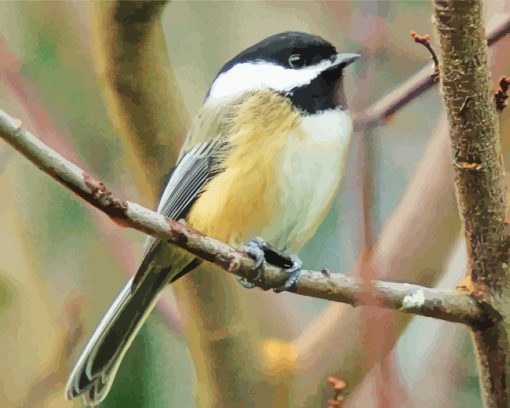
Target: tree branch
x,y
384,108
451,306
479,181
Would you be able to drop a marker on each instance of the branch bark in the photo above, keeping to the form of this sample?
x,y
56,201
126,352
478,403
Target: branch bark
x,y
446,305
479,181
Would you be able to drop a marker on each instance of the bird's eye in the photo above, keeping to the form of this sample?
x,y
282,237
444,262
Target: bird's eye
x,y
297,61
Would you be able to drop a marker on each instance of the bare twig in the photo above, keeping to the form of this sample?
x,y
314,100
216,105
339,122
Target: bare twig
x,y
474,134
425,41
381,111
501,94
452,306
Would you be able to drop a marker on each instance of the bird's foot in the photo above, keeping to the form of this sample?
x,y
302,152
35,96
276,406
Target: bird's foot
x,y
263,252
294,272
254,250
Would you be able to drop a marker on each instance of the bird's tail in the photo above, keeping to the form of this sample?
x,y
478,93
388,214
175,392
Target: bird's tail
x,y
95,370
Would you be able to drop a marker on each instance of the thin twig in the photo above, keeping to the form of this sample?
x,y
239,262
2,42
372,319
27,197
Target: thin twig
x,y
425,41
382,110
452,306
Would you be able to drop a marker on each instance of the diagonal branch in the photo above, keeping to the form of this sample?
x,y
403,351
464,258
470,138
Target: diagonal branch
x,y
446,305
384,108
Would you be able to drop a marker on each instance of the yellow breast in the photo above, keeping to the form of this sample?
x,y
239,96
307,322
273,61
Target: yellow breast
x,y
244,197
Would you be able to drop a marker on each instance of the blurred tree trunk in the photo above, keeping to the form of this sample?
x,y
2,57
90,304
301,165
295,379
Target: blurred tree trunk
x,y
145,103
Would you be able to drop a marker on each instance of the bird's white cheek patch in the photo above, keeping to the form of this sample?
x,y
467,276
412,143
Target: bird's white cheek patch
x,y
262,75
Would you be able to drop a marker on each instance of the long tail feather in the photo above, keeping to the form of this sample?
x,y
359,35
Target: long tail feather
x,y
95,370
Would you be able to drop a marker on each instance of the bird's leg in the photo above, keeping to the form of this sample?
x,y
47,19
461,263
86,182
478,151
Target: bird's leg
x,y
262,252
254,250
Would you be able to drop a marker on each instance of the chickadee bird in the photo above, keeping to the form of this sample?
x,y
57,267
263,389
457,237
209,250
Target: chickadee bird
x,y
264,157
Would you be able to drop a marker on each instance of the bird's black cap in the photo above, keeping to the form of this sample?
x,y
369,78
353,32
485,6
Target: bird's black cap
x,y
280,47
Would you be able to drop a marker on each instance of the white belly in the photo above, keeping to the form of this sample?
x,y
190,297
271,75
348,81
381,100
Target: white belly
x,y
311,167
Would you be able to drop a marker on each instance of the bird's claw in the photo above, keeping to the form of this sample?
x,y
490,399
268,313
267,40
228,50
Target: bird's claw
x,y
255,250
263,252
294,272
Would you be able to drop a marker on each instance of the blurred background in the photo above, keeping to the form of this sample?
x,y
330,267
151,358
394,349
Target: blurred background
x,y
62,262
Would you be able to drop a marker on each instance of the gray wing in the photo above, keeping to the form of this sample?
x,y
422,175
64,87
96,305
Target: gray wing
x,y
204,151
191,174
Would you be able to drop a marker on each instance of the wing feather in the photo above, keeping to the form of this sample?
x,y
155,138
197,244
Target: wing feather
x,y
191,174
204,151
